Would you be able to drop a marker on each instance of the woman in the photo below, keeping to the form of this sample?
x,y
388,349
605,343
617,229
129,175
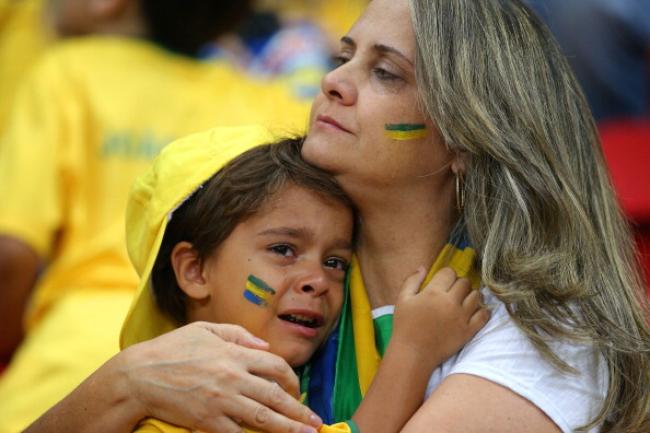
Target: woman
x,y
504,148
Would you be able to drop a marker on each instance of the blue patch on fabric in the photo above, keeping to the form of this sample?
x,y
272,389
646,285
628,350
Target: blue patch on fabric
x,y
321,381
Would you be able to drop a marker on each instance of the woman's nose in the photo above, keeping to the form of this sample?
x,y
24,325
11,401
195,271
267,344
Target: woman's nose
x,y
337,85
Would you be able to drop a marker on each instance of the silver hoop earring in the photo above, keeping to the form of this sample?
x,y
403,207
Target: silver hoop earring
x,y
460,193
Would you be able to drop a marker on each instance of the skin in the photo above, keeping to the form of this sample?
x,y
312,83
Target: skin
x,y
299,243
388,184
19,265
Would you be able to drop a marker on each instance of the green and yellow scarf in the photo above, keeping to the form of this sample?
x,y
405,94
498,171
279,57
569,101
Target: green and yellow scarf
x,y
341,372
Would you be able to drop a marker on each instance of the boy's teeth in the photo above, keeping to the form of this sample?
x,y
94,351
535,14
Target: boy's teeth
x,y
300,319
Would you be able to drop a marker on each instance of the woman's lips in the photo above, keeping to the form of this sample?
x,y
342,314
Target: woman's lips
x,y
329,122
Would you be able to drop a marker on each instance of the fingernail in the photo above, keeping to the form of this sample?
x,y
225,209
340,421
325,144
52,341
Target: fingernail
x,y
259,341
315,420
307,429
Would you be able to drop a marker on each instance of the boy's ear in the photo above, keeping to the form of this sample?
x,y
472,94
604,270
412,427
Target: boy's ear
x,y
188,269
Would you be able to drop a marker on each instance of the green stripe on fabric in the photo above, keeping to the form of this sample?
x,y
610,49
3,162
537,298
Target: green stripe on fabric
x,y
304,375
383,331
347,393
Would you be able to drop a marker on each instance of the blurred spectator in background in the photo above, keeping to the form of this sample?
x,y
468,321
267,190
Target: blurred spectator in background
x,y
289,40
607,43
24,35
334,17
88,119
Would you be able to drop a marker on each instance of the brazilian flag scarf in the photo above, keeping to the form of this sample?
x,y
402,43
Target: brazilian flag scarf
x,y
340,373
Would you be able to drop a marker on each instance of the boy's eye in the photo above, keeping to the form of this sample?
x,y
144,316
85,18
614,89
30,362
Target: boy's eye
x,y
282,249
336,263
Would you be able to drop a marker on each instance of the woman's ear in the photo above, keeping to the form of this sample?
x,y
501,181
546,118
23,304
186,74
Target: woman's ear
x,y
459,163
188,268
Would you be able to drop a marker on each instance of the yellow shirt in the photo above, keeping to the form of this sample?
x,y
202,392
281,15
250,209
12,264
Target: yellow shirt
x,y
23,37
89,119
152,425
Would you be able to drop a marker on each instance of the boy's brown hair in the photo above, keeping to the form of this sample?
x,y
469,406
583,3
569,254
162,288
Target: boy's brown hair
x,y
230,196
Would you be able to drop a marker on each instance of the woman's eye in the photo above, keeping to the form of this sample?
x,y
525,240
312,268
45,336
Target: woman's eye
x,y
383,74
282,249
336,263
338,61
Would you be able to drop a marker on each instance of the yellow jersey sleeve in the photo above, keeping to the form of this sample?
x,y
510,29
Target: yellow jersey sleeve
x,y
35,164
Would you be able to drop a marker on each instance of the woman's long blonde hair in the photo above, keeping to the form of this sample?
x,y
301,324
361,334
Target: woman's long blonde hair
x,y
539,205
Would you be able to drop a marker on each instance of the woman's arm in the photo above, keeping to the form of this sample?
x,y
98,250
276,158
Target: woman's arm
x,y
470,404
429,326
499,382
200,376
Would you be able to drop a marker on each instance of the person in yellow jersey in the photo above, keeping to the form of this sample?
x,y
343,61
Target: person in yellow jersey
x,y
24,35
224,228
88,119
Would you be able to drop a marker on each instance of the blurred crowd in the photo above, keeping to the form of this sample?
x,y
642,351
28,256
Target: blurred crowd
x,y
90,91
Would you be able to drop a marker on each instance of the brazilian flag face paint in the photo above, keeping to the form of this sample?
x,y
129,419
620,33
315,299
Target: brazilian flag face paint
x,y
257,291
405,131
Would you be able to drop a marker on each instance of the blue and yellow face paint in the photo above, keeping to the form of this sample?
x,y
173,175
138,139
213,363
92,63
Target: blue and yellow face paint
x,y
257,291
405,131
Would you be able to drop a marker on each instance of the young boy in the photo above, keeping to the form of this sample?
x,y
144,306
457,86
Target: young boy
x,y
226,230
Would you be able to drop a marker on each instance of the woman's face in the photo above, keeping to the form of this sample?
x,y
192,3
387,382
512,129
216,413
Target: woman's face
x,y
374,89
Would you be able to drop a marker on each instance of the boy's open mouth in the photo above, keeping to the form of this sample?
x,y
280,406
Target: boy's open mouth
x,y
303,320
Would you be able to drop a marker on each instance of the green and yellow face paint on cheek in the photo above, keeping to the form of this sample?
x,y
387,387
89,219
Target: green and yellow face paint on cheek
x,y
405,131
257,291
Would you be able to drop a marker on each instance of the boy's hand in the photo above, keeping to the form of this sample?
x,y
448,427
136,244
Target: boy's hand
x,y
437,321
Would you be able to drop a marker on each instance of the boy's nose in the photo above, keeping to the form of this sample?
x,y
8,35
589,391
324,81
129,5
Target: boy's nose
x,y
313,280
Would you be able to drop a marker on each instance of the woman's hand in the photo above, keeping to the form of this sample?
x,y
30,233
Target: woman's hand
x,y
210,377
203,376
438,320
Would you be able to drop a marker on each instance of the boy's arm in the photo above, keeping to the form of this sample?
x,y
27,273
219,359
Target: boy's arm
x,y
429,327
395,393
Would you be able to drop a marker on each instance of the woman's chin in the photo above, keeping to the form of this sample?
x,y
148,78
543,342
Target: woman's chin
x,y
319,151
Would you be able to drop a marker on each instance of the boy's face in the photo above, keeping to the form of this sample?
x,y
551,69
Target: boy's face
x,y
280,273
